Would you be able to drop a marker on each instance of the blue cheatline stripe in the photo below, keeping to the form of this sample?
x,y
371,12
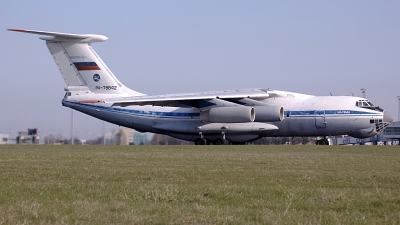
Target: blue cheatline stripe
x,y
307,113
328,112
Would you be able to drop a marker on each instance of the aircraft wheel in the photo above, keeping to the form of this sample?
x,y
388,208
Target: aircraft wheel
x,y
219,141
200,141
321,142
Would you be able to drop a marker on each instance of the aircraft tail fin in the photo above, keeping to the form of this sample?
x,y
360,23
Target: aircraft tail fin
x,y
79,64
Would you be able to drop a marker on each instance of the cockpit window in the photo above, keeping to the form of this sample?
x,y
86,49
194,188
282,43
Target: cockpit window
x,y
367,104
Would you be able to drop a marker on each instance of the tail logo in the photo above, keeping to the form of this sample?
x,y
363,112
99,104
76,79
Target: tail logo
x,y
96,77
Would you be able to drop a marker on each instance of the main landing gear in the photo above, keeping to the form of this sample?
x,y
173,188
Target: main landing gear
x,y
201,140
322,142
219,141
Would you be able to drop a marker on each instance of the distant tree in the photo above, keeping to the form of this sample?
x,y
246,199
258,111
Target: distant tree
x,y
158,139
296,140
262,141
49,139
306,140
77,141
96,141
59,138
283,140
66,141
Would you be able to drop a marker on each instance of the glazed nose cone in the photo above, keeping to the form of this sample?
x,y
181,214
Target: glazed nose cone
x,y
387,118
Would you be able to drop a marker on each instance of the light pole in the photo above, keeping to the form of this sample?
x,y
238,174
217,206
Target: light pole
x,y
104,132
398,112
72,126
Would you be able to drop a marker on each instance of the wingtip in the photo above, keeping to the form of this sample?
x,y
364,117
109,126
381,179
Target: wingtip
x,y
17,29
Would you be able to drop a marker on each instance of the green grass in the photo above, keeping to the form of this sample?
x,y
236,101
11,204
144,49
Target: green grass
x,y
199,184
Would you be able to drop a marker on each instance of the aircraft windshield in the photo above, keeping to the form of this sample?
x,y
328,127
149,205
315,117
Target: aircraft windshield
x,y
367,104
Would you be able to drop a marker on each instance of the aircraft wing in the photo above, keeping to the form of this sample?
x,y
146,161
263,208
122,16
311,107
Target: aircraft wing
x,y
189,99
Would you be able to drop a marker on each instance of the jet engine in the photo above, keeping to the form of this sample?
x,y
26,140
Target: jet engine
x,y
268,113
234,114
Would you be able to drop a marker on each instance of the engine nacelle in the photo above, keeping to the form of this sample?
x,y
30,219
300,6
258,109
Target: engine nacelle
x,y
268,113
234,114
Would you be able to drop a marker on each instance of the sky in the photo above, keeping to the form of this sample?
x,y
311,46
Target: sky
x,y
164,47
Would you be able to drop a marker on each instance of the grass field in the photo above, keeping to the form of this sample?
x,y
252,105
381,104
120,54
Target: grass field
x,y
42,184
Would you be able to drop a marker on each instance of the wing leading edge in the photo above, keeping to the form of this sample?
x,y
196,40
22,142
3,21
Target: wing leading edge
x,y
190,99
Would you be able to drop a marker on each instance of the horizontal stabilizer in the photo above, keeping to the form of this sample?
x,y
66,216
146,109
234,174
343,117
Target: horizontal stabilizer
x,y
55,36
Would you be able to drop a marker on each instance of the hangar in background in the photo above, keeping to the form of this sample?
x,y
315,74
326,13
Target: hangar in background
x,y
389,136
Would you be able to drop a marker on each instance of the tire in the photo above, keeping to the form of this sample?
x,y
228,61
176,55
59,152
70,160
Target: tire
x,y
320,142
200,141
219,141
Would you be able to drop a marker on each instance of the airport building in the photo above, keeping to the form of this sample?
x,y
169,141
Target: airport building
x,y
389,136
126,137
139,138
3,139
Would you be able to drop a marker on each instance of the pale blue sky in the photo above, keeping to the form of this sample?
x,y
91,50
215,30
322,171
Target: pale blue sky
x,y
157,47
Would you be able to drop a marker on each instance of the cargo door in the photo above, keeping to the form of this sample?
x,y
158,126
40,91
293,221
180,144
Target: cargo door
x,y
320,119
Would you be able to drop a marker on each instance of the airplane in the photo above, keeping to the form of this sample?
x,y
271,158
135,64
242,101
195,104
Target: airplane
x,y
217,117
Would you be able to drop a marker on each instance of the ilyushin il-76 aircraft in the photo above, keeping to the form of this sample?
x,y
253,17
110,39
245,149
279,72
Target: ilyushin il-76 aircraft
x,y
218,117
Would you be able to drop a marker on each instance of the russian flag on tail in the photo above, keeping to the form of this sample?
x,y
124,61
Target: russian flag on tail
x,y
86,66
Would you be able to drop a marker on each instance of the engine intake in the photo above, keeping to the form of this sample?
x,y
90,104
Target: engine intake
x,y
234,114
270,113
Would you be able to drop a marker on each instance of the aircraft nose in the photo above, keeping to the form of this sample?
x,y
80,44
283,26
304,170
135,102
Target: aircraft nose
x,y
387,118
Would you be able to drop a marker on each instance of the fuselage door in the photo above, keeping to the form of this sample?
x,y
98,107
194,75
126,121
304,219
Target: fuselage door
x,y
320,119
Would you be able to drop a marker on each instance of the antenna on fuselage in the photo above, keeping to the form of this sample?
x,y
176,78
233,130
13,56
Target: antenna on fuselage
x,y
363,92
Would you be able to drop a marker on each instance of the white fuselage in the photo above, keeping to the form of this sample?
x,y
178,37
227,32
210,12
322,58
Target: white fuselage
x,y
305,115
